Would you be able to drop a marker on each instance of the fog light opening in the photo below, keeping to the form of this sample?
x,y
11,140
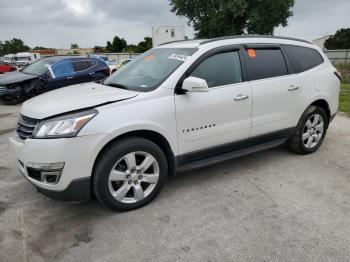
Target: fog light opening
x,y
48,173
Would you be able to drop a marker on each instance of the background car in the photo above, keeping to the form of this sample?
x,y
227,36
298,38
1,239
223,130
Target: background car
x,y
5,68
120,65
48,74
112,64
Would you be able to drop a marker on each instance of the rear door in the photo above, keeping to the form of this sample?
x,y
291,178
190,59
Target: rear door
x,y
276,89
84,70
220,116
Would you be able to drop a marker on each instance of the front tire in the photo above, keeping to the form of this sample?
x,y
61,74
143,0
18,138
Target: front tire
x,y
310,131
13,99
129,174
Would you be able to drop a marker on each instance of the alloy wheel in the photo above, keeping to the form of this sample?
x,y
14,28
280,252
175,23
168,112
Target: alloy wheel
x,y
133,177
313,131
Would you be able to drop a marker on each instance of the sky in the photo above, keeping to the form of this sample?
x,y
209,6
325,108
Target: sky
x,y
59,23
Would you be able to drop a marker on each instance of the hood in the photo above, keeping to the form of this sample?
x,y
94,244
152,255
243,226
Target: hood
x,y
14,77
73,98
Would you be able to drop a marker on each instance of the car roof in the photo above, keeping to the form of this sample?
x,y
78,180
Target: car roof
x,y
238,39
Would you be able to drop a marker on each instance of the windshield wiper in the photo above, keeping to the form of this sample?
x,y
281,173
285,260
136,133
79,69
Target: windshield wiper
x,y
117,86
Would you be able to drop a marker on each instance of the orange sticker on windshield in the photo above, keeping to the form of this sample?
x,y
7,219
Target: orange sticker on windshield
x,y
251,53
149,58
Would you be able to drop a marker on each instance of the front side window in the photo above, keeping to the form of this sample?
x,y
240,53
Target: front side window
x,y
303,58
63,69
147,71
266,63
220,69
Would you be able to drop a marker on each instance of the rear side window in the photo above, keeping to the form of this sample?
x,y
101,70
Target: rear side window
x,y
266,63
220,69
63,69
303,58
83,65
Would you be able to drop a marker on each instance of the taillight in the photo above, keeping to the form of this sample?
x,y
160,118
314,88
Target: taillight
x,y
338,74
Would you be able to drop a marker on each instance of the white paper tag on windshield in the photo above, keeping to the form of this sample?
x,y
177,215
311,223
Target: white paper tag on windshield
x,y
180,57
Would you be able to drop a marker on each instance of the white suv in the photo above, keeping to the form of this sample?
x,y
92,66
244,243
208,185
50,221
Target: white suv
x,y
180,105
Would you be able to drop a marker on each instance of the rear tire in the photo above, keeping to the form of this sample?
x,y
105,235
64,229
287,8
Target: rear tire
x,y
129,174
310,131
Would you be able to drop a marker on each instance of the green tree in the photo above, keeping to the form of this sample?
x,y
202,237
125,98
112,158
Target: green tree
x,y
215,18
74,46
12,46
130,49
117,45
99,49
40,48
144,45
341,40
109,46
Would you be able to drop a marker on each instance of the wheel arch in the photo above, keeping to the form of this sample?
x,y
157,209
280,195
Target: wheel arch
x,y
153,136
322,103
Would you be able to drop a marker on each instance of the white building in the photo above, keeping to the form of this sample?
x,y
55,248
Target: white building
x,y
321,41
164,34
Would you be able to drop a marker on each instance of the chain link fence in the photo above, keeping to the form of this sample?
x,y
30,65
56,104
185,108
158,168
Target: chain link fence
x,y
118,56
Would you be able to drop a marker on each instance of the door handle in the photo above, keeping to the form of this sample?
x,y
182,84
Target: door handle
x,y
241,97
91,73
293,88
69,77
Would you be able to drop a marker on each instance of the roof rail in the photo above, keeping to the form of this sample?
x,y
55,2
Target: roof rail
x,y
177,41
252,36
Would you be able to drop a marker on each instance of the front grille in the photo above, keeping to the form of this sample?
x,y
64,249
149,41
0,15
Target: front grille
x,y
26,126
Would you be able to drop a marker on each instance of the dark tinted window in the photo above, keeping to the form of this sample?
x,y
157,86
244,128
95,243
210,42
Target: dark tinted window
x,y
303,58
83,65
266,63
62,69
221,69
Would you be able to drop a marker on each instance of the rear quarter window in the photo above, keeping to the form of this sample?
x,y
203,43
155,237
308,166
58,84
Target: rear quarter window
x,y
83,65
303,58
266,63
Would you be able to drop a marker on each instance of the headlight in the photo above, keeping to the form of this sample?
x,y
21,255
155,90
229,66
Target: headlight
x,y
64,126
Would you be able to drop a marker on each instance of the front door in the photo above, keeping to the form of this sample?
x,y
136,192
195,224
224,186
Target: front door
x,y
217,117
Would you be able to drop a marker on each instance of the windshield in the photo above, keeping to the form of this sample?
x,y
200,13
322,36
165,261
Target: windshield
x,y
37,68
147,71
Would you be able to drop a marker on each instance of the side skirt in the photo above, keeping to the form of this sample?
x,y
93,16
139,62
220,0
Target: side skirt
x,y
233,150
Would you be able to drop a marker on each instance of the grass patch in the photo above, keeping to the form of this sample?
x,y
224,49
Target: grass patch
x,y
344,98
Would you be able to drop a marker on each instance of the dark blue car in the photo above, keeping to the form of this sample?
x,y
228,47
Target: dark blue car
x,y
48,74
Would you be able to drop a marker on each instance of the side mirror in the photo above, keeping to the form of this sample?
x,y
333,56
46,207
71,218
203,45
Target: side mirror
x,y
194,84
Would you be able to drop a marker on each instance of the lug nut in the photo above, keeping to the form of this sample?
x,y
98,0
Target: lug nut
x,y
128,176
140,177
130,182
135,182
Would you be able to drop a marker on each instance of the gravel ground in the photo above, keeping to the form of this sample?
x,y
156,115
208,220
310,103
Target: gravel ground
x,y
269,206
